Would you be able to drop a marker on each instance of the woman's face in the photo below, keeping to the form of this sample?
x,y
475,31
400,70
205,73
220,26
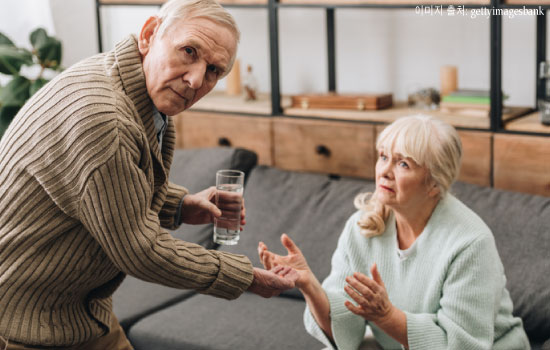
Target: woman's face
x,y
401,183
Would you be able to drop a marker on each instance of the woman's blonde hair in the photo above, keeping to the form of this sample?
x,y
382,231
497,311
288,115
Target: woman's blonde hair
x,y
431,143
187,9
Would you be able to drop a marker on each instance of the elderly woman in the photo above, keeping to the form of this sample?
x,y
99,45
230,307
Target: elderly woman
x,y
436,280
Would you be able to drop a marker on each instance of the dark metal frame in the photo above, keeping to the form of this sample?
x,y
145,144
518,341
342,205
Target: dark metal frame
x,y
496,123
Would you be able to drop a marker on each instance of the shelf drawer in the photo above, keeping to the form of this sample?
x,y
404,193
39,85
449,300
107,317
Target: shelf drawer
x,y
324,146
476,156
522,163
198,129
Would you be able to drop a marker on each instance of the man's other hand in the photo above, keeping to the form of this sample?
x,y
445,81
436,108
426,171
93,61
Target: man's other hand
x,y
273,282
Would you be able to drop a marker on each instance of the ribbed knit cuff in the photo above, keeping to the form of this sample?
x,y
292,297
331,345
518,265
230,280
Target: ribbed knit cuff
x,y
170,211
235,276
423,333
313,328
347,328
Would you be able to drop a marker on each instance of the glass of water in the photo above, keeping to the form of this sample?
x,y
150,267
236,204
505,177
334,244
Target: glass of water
x,y
229,198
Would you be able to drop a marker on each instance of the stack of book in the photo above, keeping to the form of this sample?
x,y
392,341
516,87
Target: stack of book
x,y
471,102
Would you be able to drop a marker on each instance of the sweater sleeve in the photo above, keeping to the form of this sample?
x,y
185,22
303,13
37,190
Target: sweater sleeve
x,y
115,209
468,306
348,329
170,212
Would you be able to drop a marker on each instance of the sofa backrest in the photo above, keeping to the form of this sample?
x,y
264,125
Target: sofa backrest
x,y
311,208
196,169
521,226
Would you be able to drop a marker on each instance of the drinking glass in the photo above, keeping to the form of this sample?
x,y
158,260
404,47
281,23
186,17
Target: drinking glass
x,y
229,198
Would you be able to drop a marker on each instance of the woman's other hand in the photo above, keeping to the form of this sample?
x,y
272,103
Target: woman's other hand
x,y
294,259
370,295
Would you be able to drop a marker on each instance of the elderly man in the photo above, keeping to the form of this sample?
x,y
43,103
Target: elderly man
x,y
84,192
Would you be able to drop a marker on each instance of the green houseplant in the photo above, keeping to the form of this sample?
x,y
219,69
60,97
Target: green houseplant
x,y
46,52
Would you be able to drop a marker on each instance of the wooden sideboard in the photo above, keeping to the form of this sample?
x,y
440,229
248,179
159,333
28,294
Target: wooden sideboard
x,y
506,161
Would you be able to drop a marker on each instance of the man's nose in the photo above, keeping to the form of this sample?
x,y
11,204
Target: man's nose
x,y
195,75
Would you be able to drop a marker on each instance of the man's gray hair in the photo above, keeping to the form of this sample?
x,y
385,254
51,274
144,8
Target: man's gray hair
x,y
187,9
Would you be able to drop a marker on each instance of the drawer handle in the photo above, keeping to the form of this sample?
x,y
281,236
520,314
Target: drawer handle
x,y
322,150
224,141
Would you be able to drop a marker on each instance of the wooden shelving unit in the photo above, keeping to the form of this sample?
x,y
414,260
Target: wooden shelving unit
x,y
324,140
401,109
529,123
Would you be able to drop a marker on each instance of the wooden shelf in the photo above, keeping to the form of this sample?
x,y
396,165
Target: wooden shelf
x,y
529,123
401,109
219,101
386,2
160,2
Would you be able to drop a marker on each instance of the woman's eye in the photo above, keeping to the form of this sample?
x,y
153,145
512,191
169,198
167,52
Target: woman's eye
x,y
383,157
403,165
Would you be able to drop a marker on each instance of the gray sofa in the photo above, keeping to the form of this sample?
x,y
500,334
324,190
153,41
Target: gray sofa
x,y
312,209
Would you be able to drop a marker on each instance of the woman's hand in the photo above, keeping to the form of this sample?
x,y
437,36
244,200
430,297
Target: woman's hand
x,y
294,259
370,295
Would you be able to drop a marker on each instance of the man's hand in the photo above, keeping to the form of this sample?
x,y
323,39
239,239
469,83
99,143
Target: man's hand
x,y
199,208
272,283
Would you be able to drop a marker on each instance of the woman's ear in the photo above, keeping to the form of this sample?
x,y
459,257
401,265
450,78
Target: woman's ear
x,y
147,35
433,189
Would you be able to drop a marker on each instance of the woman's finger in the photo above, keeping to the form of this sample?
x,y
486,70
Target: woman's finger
x,y
355,296
356,310
367,281
360,287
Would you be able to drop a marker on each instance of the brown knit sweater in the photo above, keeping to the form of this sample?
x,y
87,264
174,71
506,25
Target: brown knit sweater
x,y
83,196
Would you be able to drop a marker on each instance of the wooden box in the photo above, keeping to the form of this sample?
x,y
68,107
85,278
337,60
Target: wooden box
x,y
336,101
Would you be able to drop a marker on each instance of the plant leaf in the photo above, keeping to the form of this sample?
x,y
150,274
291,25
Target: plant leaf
x,y
4,40
49,53
16,93
36,85
38,37
12,58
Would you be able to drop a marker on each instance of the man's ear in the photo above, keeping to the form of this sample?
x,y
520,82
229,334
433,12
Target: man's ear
x,y
147,34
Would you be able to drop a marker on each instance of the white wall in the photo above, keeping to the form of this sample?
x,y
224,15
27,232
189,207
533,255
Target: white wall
x,y
377,50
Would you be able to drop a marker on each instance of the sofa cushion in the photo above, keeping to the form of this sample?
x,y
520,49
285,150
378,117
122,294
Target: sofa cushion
x,y
521,226
196,170
311,208
203,322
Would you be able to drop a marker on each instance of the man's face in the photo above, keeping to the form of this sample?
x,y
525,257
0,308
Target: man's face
x,y
185,63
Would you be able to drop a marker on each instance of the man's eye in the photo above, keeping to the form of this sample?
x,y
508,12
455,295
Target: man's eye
x,y
213,69
189,50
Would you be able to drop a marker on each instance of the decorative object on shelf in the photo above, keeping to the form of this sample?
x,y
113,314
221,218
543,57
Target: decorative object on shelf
x,y
46,52
233,80
338,101
471,102
424,98
250,85
448,76
544,103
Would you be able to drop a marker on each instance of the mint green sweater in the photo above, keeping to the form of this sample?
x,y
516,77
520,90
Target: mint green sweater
x,y
450,283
